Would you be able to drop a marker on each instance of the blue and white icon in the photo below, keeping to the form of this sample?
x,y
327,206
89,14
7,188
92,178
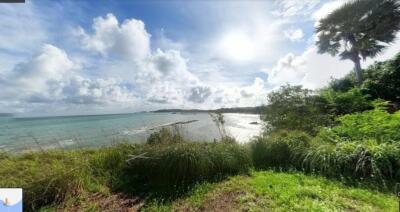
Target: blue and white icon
x,y
10,199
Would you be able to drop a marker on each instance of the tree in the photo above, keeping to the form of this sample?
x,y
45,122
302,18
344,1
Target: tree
x,y
295,108
359,29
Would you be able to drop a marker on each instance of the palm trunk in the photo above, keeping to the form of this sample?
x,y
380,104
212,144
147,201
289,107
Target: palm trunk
x,y
357,70
356,59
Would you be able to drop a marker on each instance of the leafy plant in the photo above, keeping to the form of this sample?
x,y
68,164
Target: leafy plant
x,y
281,149
295,108
374,124
340,103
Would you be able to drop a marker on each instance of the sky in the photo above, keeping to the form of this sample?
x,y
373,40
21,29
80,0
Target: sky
x,y
81,57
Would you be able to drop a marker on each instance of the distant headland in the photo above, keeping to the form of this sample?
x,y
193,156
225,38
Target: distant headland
x,y
251,110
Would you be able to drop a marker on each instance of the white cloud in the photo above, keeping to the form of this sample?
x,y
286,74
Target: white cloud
x,y
309,69
314,70
294,34
286,70
79,90
51,63
51,77
128,40
21,28
290,8
199,94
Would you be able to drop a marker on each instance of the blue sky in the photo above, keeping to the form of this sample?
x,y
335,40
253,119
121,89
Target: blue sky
x,y
81,57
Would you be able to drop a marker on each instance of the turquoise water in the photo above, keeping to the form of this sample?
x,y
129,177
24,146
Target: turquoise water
x,y
20,134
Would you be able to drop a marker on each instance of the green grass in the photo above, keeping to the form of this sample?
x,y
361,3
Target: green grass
x,y
63,178
268,190
166,175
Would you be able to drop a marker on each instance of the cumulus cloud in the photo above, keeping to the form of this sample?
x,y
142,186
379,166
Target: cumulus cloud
x,y
294,34
52,77
199,94
160,76
129,39
311,69
79,90
50,64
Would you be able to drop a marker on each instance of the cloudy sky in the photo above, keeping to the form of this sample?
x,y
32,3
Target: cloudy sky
x,y
77,57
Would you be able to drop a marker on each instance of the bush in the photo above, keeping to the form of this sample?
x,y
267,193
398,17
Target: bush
x,y
362,146
281,149
295,108
382,80
375,124
367,160
351,101
175,167
165,136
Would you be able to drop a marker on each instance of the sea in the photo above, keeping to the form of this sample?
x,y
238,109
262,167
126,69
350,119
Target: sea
x,y
20,134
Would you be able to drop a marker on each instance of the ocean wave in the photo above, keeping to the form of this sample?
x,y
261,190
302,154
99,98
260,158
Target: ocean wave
x,y
130,132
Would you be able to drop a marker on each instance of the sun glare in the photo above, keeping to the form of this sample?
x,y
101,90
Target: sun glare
x,y
237,46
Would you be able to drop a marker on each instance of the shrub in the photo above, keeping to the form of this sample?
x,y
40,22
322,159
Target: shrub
x,y
375,124
340,103
367,160
343,84
173,167
382,80
165,136
281,149
295,108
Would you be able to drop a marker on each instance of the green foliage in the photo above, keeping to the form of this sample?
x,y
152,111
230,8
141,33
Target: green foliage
x,y
340,103
382,80
165,136
355,160
46,178
174,167
281,149
343,84
374,124
362,146
295,108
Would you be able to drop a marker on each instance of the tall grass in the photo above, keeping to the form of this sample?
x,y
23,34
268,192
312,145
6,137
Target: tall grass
x,y
282,149
47,178
168,166
368,160
172,168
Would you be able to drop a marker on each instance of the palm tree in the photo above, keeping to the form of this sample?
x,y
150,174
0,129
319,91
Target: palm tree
x,y
359,29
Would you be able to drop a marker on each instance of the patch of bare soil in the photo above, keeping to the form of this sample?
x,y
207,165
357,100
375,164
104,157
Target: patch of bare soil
x,y
111,203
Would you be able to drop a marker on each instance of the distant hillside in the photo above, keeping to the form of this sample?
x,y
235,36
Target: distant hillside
x,y
253,110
